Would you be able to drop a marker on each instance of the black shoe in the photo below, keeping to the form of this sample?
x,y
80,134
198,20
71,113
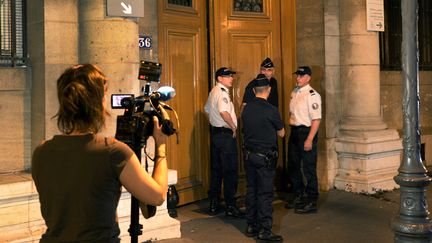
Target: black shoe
x,y
268,236
214,206
310,207
297,202
251,230
233,211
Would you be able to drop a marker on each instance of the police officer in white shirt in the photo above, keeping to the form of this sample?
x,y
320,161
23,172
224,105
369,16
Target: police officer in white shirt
x,y
224,153
305,118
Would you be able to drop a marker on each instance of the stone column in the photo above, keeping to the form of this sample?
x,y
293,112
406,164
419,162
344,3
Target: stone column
x,y
368,152
111,43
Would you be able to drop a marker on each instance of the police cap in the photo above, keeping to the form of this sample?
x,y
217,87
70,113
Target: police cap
x,y
223,71
267,63
303,70
261,80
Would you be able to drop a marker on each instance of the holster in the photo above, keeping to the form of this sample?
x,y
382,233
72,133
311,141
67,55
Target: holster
x,y
270,156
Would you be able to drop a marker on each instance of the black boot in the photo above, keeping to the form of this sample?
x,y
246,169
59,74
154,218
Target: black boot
x,y
251,230
214,206
268,236
234,212
297,202
310,207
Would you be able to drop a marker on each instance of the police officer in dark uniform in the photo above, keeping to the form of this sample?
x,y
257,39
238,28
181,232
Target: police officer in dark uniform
x,y
224,160
266,68
262,124
305,118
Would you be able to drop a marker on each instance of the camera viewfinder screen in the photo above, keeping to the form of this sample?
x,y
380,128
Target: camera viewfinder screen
x,y
116,100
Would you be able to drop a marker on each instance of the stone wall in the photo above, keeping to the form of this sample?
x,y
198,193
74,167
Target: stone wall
x,y
317,45
310,50
391,101
148,25
53,46
15,119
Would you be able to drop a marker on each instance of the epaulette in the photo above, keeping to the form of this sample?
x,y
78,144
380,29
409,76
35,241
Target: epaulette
x,y
312,92
223,89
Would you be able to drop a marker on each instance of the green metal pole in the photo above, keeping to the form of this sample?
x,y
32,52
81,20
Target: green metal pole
x,y
413,223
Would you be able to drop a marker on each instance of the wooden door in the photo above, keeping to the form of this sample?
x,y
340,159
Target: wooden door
x,y
238,39
183,54
245,33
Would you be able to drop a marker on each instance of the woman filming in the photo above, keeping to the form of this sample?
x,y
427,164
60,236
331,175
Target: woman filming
x,y
79,174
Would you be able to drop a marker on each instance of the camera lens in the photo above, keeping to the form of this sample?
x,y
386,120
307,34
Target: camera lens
x,y
127,102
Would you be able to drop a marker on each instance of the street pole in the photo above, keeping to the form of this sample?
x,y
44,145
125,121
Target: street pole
x,y
413,223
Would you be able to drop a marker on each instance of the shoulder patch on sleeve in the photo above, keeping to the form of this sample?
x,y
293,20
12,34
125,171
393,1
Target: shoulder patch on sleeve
x,y
225,100
315,106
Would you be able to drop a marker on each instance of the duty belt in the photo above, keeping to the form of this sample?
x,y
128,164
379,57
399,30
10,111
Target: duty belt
x,y
217,130
298,127
270,155
259,151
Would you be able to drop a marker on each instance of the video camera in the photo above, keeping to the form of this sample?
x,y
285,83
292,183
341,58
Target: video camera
x,y
136,124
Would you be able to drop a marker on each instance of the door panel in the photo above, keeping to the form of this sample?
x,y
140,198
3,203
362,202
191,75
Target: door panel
x,y
182,51
242,39
255,45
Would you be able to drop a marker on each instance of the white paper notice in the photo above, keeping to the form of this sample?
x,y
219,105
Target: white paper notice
x,y
375,15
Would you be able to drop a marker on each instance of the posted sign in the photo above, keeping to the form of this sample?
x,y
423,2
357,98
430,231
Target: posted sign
x,y
375,15
125,8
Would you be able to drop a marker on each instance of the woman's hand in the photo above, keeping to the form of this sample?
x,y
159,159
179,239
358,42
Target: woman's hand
x,y
158,135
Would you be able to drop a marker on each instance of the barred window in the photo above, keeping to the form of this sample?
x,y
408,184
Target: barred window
x,y
391,38
12,33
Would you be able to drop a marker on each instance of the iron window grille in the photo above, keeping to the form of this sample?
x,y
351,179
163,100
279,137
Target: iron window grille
x,y
391,38
12,33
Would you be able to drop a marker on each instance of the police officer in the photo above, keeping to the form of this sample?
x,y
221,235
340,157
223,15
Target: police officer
x,y
224,161
305,117
266,68
262,124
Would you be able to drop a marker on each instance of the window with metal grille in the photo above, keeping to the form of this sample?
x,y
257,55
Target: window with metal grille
x,y
391,38
12,33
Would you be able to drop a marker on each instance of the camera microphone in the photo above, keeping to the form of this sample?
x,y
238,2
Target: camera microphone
x,y
164,93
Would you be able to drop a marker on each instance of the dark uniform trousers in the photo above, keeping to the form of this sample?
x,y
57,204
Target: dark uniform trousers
x,y
302,164
224,165
259,196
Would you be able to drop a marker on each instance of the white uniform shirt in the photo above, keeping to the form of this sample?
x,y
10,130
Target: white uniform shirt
x,y
217,102
305,106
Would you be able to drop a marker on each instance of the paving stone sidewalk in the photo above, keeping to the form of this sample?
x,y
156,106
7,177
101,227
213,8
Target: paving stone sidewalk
x,y
342,217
